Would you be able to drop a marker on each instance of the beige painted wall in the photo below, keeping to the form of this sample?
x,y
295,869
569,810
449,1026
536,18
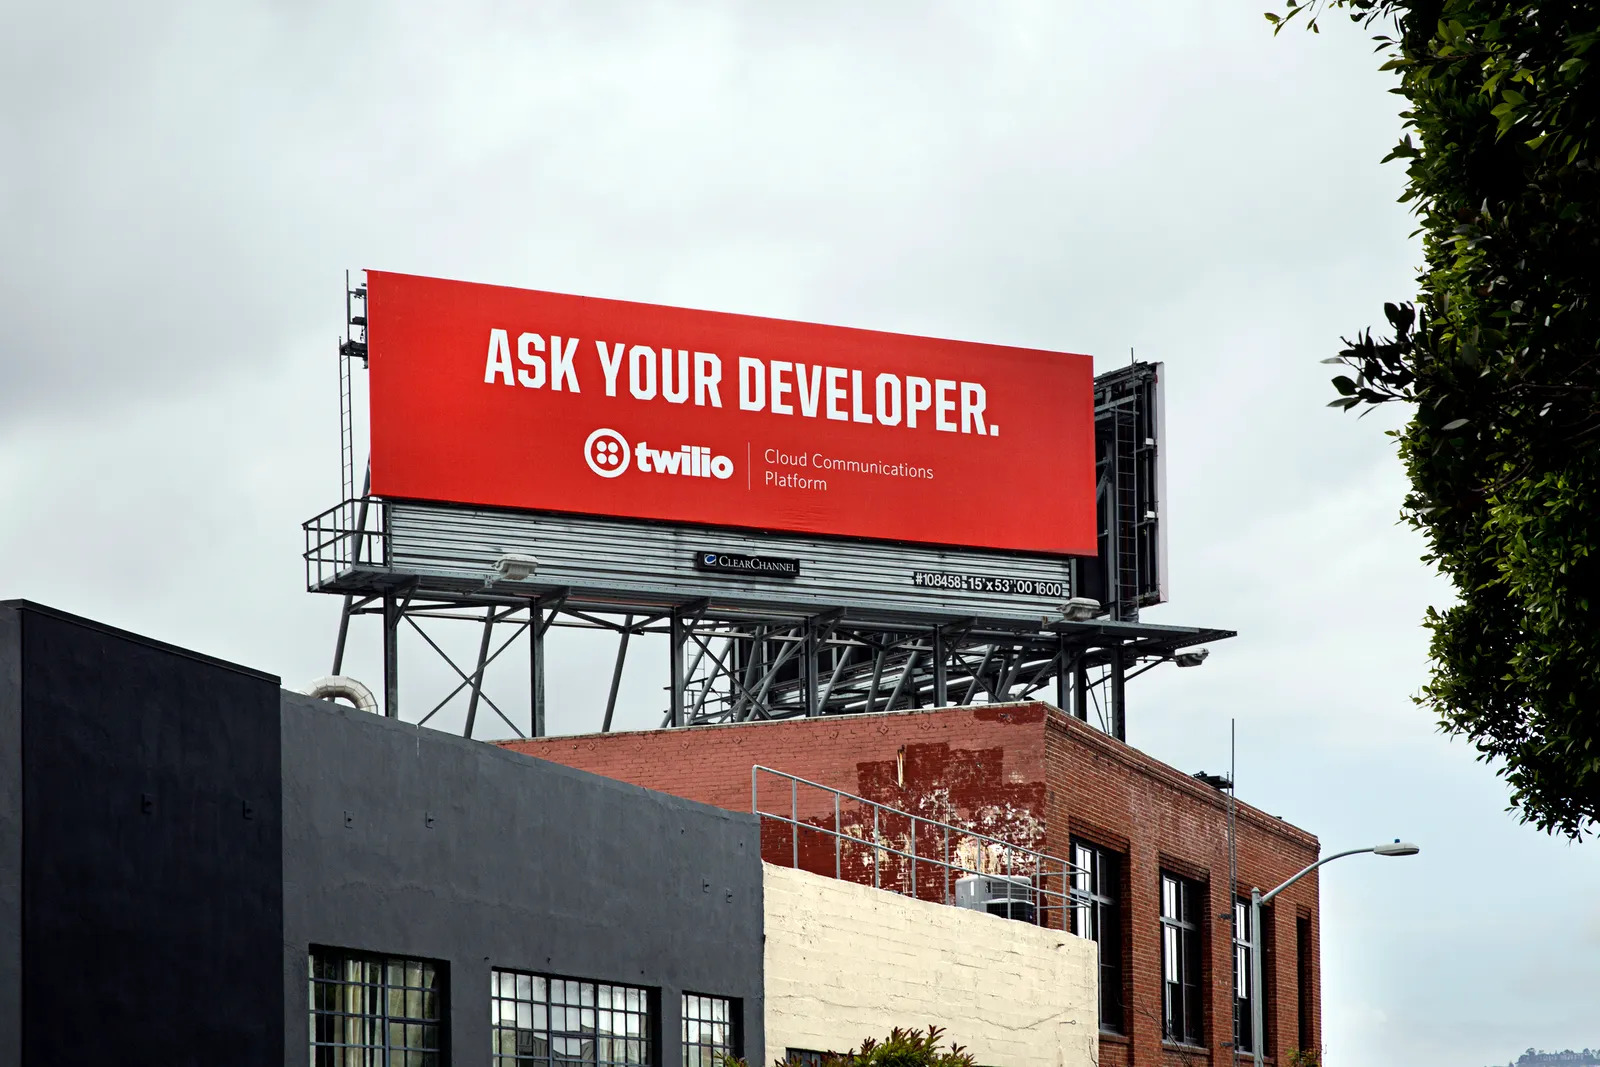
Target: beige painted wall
x,y
847,961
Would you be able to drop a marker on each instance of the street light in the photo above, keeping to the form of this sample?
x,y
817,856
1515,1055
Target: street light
x,y
1257,898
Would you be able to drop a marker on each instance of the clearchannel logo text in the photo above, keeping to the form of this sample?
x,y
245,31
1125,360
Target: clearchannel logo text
x,y
609,455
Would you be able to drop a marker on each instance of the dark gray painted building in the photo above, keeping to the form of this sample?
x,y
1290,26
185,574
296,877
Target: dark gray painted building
x,y
180,839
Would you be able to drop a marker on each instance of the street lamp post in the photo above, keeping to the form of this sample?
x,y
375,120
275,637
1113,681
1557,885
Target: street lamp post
x,y
1258,898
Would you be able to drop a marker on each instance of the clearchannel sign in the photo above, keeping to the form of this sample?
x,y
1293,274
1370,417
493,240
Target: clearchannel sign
x,y
754,566
515,398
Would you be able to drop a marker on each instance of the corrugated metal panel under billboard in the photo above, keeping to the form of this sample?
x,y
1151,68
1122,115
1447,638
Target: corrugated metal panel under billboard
x,y
606,556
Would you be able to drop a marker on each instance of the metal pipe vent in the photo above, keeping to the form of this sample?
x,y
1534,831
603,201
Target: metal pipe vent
x,y
343,687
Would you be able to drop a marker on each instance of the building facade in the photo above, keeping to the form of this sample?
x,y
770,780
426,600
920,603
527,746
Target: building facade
x,y
847,961
197,867
1151,843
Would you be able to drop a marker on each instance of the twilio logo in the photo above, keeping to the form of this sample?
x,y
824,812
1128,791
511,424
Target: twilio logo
x,y
608,454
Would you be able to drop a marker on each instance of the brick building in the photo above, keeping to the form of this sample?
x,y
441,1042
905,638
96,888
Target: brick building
x,y
1153,839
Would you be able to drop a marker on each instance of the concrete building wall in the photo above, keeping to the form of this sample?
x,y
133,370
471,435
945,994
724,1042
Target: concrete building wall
x,y
403,840
10,835
1030,774
177,833
846,962
151,859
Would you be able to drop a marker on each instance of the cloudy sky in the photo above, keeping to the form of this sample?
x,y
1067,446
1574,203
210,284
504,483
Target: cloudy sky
x,y
182,188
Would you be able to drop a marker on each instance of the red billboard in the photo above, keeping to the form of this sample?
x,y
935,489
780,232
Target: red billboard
x,y
515,398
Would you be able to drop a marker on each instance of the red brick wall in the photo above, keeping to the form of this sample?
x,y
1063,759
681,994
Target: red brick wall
x,y
1162,819
1023,772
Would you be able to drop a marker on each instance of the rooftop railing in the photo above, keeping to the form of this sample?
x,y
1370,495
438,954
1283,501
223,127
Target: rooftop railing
x,y
859,840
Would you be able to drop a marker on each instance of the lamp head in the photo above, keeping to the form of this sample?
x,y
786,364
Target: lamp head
x,y
1397,848
514,567
1080,609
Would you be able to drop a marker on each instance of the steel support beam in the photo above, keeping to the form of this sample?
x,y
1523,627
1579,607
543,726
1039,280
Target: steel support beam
x,y
675,668
536,629
1064,677
940,696
391,656
477,674
905,675
616,674
808,670
1117,718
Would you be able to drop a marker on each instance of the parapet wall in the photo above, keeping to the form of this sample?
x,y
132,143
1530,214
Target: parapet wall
x,y
846,962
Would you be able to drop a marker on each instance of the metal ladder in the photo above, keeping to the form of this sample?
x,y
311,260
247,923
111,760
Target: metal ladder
x,y
1125,502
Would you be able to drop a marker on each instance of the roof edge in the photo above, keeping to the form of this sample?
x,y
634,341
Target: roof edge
x,y
1145,763
138,639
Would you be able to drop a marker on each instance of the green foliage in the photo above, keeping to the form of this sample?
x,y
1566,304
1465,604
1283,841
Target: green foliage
x,y
905,1048
902,1048
1499,358
1305,1057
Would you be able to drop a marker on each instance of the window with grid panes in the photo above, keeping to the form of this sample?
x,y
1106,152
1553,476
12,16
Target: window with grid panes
x,y
1243,1037
537,1019
807,1057
1096,916
375,1011
1180,960
710,1030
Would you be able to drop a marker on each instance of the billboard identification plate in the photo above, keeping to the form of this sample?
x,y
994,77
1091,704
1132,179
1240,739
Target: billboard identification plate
x,y
485,395
751,566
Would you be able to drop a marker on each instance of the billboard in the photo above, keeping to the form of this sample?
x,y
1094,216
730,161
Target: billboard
x,y
513,398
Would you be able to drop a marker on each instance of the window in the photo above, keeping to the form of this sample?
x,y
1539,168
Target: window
x,y
541,1020
1304,969
807,1057
1243,1036
375,1011
1096,916
709,1030
1180,960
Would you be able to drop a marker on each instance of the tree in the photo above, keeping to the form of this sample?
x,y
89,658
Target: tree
x,y
1498,357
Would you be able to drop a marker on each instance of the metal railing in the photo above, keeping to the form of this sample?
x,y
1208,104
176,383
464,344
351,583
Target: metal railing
x,y
892,845
345,535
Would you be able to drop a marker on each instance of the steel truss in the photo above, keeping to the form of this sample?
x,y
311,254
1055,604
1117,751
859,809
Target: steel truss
x,y
729,663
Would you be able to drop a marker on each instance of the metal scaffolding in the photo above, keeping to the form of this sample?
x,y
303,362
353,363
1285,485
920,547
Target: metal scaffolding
x,y
728,661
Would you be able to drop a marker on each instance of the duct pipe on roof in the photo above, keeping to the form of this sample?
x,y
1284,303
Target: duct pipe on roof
x,y
343,687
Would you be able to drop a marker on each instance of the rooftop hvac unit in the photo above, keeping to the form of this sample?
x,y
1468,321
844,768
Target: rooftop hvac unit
x,y
1008,896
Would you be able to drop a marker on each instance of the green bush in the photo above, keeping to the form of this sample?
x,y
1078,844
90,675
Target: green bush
x,y
902,1048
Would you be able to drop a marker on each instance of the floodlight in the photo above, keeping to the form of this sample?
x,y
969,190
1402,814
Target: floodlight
x,y
1398,848
1191,659
515,566
1080,609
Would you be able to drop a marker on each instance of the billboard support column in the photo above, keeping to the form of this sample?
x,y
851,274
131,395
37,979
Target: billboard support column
x,y
536,669
540,617
391,656
940,695
476,691
1119,675
675,651
1080,688
809,667
1064,675
616,673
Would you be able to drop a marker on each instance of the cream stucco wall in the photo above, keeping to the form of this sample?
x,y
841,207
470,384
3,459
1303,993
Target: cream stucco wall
x,y
845,962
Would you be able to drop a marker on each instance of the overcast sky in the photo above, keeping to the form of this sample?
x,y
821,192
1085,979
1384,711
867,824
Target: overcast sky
x,y
183,187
